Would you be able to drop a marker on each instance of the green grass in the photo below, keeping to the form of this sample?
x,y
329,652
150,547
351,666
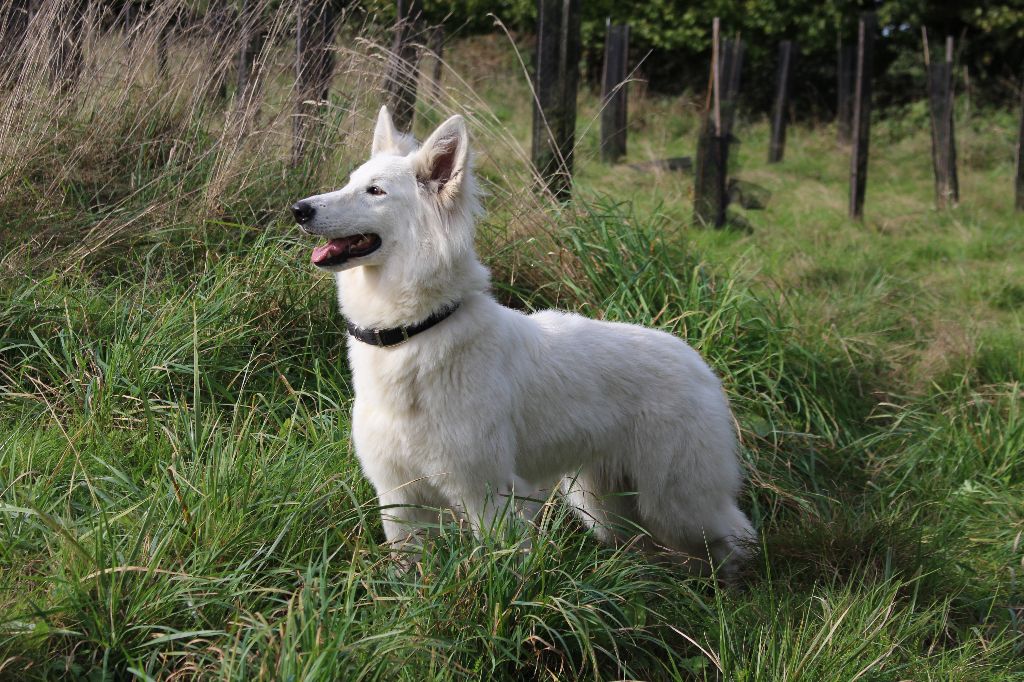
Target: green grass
x,y
178,493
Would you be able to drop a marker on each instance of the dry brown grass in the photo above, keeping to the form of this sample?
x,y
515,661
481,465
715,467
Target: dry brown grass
x,y
120,150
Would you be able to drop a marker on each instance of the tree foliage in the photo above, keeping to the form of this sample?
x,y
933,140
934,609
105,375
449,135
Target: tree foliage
x,y
673,39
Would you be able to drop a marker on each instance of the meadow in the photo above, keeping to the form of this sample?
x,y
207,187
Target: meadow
x,y
179,498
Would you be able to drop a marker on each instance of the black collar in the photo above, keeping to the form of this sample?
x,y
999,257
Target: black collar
x,y
384,338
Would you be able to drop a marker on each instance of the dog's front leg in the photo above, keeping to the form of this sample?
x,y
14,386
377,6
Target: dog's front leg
x,y
485,512
512,501
529,500
406,522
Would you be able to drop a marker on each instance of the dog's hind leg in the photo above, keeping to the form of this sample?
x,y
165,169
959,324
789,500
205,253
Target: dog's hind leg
x,y
605,504
687,478
735,538
723,535
697,529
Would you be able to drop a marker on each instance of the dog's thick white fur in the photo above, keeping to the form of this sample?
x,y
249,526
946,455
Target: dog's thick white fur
x,y
629,421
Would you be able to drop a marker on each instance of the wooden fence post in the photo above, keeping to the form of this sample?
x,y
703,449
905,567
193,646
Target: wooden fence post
x,y
844,92
14,28
1020,157
613,92
777,146
224,23
437,49
940,98
710,191
66,61
862,114
731,56
556,79
130,23
314,65
161,48
400,81
251,44
710,198
15,18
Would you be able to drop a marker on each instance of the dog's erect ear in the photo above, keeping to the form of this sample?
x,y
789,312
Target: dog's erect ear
x,y
386,137
442,161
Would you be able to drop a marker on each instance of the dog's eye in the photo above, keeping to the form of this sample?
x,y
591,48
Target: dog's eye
x,y
375,191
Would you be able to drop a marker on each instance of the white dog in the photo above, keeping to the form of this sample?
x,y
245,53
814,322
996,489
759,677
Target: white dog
x,y
460,401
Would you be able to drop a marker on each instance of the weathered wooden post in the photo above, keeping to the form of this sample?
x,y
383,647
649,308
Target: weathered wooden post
x,y
940,98
709,194
251,44
161,48
234,24
224,23
14,29
66,63
314,65
400,81
303,72
731,68
862,113
613,92
710,191
15,26
15,17
777,146
844,92
437,49
556,79
129,22
710,197
1020,157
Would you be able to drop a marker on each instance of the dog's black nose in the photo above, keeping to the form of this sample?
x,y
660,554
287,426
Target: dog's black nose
x,y
303,212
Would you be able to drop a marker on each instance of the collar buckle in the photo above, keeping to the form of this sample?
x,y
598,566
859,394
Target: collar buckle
x,y
386,338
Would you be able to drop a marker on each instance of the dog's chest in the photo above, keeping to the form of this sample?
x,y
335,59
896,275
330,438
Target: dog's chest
x,y
393,382
399,418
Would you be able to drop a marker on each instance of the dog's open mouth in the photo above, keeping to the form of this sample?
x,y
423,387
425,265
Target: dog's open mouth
x,y
337,251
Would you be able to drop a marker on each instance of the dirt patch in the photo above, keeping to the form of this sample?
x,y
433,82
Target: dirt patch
x,y
950,351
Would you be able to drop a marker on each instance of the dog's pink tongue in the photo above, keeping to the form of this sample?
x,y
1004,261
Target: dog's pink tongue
x,y
333,248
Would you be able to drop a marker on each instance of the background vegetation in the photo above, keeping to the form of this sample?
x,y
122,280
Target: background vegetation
x,y
672,41
178,495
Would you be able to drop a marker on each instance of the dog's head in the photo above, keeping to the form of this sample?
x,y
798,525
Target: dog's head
x,y
409,208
